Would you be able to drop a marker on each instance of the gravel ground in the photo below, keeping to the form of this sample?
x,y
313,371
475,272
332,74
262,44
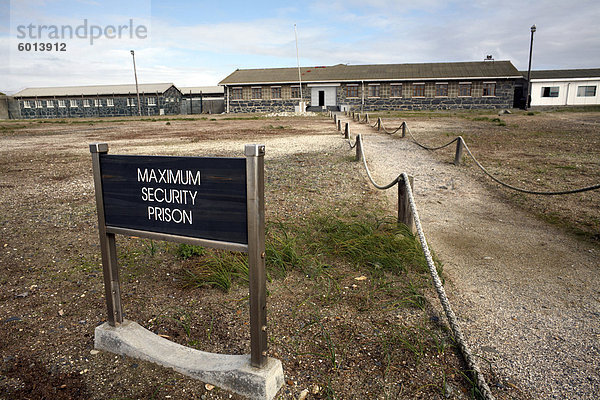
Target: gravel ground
x,y
526,293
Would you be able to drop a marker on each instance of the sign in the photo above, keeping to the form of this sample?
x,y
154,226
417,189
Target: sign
x,y
195,197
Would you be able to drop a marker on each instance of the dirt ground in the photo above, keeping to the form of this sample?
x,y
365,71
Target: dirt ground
x,y
333,335
337,336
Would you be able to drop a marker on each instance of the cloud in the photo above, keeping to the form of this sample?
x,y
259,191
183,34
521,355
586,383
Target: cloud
x,y
349,31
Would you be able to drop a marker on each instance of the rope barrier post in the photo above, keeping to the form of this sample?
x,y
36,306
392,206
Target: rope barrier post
x,y
459,151
339,125
367,118
335,119
405,215
403,128
379,123
347,131
358,146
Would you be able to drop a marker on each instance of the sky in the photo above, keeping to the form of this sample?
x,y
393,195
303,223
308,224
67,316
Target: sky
x,y
199,43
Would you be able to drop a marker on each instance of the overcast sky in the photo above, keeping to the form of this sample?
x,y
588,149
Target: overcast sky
x,y
198,43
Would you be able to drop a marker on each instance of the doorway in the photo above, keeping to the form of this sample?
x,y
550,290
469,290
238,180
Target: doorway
x,y
321,98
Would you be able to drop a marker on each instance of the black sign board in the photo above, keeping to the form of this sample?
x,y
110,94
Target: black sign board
x,y
187,196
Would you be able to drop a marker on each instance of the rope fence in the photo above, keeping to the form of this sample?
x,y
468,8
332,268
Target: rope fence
x,y
460,145
408,214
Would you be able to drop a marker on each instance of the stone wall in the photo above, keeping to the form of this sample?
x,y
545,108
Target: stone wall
x,y
169,102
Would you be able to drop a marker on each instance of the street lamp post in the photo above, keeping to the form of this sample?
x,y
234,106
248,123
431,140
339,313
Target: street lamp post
x,y
527,101
137,90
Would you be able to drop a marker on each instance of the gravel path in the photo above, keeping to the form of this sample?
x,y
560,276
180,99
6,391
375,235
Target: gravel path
x,y
527,295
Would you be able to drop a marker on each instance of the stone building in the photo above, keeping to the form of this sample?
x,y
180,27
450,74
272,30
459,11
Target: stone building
x,y
99,101
456,85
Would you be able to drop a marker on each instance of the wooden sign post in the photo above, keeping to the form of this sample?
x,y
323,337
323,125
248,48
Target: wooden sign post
x,y
206,201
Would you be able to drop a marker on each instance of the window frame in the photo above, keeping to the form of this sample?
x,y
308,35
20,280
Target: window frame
x,y
276,89
62,104
237,93
585,88
26,103
254,90
49,104
86,103
395,86
293,89
97,103
438,86
377,90
73,103
110,102
485,85
462,85
354,87
421,88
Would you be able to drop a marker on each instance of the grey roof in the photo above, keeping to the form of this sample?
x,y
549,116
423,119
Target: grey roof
x,y
201,89
94,90
564,73
379,72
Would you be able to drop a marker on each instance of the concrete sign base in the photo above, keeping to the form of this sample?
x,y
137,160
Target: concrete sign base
x,y
229,372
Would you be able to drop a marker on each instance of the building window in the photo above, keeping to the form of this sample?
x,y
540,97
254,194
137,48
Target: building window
x,y
418,90
61,104
352,91
257,93
464,89
49,104
275,92
489,88
586,91
295,92
130,101
236,93
396,90
550,91
441,90
73,103
86,103
110,102
26,104
97,103
373,90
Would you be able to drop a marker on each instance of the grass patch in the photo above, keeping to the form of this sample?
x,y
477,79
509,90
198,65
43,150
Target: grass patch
x,y
378,245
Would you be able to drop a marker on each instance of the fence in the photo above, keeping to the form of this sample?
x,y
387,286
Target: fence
x,y
408,214
460,146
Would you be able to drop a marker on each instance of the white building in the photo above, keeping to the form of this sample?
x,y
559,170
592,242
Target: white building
x,y
567,87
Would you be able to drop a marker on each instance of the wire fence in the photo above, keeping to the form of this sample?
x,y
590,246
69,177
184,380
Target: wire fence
x,y
459,151
408,214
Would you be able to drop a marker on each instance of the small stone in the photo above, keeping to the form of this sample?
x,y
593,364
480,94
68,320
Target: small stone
x,y
209,387
22,295
360,278
314,389
303,394
289,382
94,352
61,312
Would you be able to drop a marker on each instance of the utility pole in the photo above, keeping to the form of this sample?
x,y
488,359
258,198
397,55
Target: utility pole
x,y
137,90
300,106
533,29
